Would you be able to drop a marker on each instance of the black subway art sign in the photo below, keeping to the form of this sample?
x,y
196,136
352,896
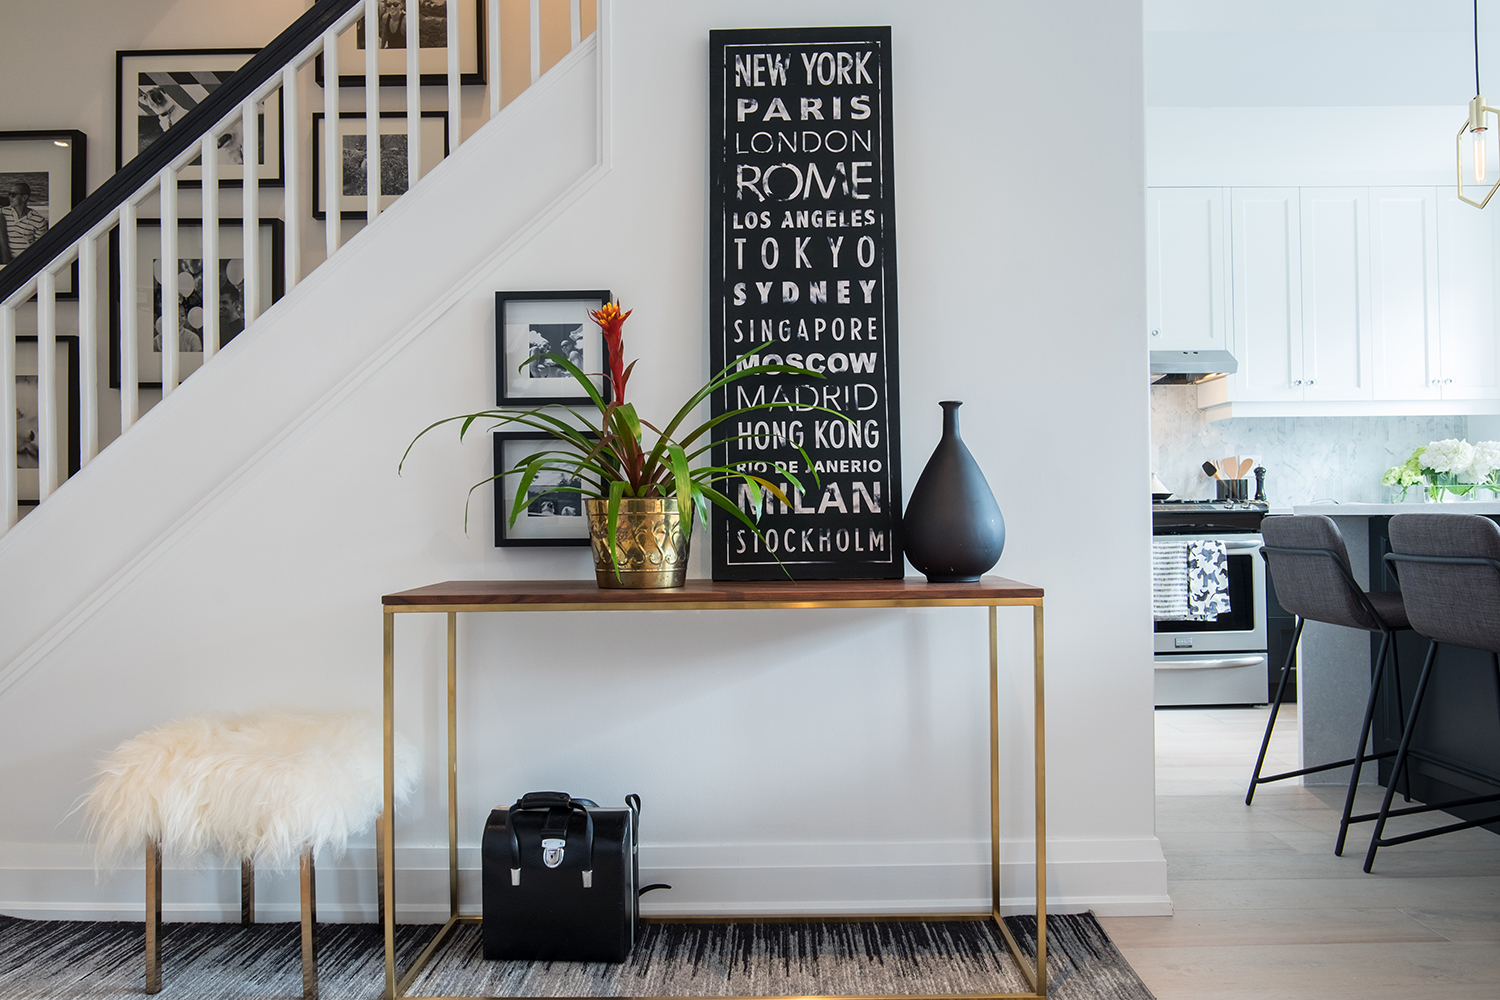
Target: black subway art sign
x,y
803,274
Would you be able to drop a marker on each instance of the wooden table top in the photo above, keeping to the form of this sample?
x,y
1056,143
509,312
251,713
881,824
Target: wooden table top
x,y
543,595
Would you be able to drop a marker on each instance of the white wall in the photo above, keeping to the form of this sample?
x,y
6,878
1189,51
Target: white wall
x,y
760,741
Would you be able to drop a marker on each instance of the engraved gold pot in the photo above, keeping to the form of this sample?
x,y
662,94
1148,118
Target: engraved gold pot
x,y
651,544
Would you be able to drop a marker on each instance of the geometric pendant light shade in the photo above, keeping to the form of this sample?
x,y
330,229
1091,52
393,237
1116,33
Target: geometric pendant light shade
x,y
1482,128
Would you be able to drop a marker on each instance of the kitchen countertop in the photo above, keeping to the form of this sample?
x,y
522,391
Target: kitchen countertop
x,y
1387,509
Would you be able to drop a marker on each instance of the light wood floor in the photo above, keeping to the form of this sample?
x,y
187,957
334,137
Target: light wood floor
x,y
1262,908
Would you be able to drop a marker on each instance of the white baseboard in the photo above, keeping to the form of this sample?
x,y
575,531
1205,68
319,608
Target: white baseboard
x,y
1112,878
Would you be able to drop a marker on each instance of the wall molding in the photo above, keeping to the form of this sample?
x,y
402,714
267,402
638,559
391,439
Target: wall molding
x,y
60,882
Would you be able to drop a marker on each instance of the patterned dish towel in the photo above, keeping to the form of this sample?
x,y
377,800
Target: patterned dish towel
x,y
1169,580
1208,580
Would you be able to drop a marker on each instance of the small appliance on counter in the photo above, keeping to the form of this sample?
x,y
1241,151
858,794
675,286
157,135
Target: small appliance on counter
x,y
1219,660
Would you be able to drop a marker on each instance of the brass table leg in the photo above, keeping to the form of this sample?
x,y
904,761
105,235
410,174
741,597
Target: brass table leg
x,y
386,823
153,916
453,764
1039,714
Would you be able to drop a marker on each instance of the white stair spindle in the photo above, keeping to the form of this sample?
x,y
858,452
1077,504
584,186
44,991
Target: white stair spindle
x,y
333,152
8,457
210,237
372,112
171,331
130,402
250,238
292,186
575,24
413,92
455,108
88,350
492,19
46,383
536,40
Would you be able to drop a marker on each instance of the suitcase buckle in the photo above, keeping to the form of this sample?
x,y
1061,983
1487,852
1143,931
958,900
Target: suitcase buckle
x,y
552,852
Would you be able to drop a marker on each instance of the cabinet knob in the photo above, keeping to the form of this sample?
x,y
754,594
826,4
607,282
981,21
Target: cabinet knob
x,y
1312,381
1447,381
1156,333
1297,382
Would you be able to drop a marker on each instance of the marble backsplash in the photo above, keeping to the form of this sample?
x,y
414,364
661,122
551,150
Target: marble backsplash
x,y
1306,458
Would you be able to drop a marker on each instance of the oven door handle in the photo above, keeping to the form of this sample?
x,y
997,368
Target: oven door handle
x,y
1232,546
1195,663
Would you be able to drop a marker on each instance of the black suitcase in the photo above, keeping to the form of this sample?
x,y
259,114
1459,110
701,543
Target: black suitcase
x,y
560,880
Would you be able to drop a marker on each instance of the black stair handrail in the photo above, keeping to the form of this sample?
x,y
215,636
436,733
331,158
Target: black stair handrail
x,y
130,178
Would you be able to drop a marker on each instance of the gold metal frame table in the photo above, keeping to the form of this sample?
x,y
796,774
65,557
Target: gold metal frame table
x,y
455,597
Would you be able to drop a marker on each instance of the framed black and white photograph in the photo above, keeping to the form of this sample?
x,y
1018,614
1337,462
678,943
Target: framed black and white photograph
x,y
156,88
531,325
432,34
554,513
354,143
197,288
42,176
28,416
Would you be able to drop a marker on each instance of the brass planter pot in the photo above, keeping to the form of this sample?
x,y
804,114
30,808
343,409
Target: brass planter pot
x,y
650,544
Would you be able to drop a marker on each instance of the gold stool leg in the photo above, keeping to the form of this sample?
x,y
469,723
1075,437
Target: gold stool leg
x,y
247,891
309,928
153,916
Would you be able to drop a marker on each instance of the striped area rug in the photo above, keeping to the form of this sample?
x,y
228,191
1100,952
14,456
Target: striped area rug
x,y
103,960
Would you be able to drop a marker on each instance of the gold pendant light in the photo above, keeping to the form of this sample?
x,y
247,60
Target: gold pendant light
x,y
1481,118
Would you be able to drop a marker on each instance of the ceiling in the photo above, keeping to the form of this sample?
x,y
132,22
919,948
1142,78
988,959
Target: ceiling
x,y
1317,53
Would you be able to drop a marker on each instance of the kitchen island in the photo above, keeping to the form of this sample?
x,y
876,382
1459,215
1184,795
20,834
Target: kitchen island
x,y
1459,732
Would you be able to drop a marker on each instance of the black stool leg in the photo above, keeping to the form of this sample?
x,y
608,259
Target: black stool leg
x,y
1386,644
1286,671
1406,734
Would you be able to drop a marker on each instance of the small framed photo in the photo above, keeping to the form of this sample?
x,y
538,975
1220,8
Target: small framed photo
x,y
42,176
353,137
432,34
531,325
156,88
28,416
198,288
554,514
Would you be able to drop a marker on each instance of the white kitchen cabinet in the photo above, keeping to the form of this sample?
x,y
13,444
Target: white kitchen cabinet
x,y
1335,226
1185,296
1266,295
1468,365
1404,328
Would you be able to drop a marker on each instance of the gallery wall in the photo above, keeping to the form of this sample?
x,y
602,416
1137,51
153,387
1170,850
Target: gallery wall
x,y
788,760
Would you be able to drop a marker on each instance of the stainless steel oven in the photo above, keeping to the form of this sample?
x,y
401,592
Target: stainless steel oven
x,y
1219,662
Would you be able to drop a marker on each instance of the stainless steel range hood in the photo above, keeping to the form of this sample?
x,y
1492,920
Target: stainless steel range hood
x,y
1190,367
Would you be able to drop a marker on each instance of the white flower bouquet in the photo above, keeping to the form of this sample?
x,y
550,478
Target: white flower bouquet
x,y
1448,466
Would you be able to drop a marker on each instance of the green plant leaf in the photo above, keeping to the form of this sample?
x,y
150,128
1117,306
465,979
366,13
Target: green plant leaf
x,y
684,478
616,491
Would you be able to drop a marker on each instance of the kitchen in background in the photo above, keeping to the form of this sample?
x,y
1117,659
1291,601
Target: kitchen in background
x,y
1307,459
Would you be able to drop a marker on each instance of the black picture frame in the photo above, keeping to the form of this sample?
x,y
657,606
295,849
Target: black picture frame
x,y
505,458
351,55
319,210
764,298
526,311
273,285
218,63
69,410
28,152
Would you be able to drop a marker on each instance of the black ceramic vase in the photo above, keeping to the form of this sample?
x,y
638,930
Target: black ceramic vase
x,y
953,528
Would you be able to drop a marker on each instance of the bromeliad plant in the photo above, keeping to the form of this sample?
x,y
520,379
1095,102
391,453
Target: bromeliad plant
x,y
616,459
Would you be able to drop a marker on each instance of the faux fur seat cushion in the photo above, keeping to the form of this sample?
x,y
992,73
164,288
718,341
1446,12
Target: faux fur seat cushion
x,y
265,785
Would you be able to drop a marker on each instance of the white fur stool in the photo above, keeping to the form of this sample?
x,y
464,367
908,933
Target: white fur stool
x,y
265,787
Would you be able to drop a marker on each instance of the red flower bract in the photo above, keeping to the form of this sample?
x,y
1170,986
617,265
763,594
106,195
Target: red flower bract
x,y
612,323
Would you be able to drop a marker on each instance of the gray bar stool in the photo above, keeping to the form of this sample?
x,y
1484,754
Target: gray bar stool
x,y
1449,569
1310,566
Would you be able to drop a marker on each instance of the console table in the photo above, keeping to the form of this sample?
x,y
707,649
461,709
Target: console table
x,y
461,597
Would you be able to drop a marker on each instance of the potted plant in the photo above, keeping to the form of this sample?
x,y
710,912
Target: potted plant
x,y
643,484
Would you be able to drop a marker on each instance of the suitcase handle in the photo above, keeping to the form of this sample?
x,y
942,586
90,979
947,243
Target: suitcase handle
x,y
533,801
